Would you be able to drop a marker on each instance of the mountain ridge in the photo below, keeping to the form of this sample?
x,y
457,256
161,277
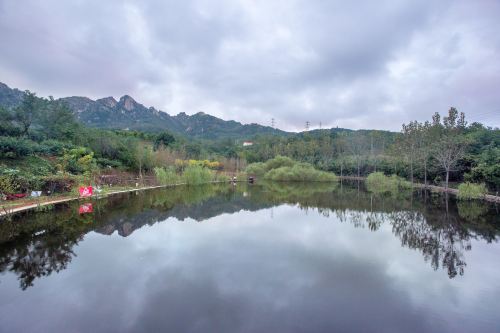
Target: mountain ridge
x,y
128,114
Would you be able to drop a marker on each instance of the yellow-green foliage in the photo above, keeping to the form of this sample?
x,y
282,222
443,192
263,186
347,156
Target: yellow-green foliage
x,y
379,183
182,164
195,175
166,176
8,184
469,191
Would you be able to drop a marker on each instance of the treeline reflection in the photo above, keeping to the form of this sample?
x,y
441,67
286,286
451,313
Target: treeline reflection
x,y
34,245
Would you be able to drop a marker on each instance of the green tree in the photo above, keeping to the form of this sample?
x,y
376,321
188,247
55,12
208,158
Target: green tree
x,y
56,121
26,113
451,145
166,139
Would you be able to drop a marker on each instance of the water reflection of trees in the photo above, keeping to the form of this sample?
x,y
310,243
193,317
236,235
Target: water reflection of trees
x,y
36,245
39,257
437,226
33,245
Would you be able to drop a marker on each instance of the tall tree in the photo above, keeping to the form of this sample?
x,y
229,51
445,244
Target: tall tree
x,y
357,145
424,149
27,111
55,120
450,147
409,144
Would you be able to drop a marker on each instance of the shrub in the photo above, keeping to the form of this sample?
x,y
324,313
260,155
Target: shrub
x,y
18,181
166,176
53,147
278,162
107,163
9,184
58,183
220,177
257,169
11,147
299,173
469,191
379,183
195,175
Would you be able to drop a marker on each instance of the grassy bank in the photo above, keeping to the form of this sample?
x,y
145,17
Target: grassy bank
x,y
283,168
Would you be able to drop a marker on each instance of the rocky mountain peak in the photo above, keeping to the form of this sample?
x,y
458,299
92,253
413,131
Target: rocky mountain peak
x,y
128,102
108,101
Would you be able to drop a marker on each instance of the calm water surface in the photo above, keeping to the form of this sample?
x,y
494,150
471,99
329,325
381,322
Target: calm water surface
x,y
261,258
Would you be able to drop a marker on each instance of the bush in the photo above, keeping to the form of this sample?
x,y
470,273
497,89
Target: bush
x,y
11,147
195,175
53,147
379,183
220,177
257,169
15,183
299,173
107,163
58,183
166,176
10,184
278,162
469,191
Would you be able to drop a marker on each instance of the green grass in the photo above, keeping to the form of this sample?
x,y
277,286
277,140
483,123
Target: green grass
x,y
470,191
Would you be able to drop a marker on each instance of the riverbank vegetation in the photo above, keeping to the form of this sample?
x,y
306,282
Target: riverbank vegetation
x,y
469,191
43,147
377,182
443,151
283,168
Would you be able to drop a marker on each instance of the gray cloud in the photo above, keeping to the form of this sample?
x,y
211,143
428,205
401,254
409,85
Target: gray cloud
x,y
361,64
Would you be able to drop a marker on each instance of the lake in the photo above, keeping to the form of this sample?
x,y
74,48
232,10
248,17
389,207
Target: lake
x,y
253,258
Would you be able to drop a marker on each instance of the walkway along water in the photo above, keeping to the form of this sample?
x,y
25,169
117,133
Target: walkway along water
x,y
8,211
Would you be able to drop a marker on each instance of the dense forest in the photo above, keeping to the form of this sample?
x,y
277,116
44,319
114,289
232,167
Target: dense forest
x,y
438,151
42,143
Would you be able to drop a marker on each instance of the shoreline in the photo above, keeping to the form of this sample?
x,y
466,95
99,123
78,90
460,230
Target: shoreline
x,y
433,188
11,211
6,211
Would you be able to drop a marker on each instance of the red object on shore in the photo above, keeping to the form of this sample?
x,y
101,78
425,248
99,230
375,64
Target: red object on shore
x,y
85,191
15,196
86,208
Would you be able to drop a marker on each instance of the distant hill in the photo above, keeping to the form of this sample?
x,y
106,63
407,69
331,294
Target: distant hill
x,y
126,113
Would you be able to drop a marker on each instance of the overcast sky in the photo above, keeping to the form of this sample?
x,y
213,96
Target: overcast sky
x,y
354,64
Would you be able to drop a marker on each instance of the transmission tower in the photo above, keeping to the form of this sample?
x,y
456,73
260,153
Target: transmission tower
x,y
320,125
307,126
272,123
